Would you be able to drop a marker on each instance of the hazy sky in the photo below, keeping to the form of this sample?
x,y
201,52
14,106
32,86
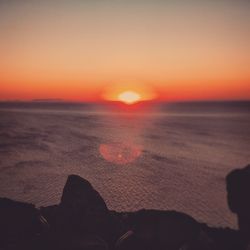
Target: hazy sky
x,y
79,50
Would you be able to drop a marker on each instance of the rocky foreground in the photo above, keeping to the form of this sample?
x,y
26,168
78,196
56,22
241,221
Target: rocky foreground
x,y
82,221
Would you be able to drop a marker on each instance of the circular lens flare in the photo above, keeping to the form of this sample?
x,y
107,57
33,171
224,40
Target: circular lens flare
x,y
129,97
120,153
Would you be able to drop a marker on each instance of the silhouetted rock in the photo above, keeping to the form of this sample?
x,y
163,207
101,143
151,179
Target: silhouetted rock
x,y
238,188
224,238
19,224
82,221
154,229
83,211
50,214
89,242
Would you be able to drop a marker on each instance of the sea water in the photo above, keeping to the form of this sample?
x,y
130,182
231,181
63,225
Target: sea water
x,y
171,156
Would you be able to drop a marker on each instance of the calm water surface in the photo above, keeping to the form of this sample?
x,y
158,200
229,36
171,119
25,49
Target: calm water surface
x,y
172,156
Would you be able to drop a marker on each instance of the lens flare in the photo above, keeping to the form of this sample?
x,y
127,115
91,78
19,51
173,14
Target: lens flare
x,y
120,153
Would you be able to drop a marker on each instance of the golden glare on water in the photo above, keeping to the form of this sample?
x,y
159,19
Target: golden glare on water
x,y
129,97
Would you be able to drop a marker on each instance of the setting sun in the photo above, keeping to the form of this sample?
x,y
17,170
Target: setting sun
x,y
129,97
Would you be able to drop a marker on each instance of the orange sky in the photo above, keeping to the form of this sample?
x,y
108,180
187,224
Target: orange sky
x,y
88,50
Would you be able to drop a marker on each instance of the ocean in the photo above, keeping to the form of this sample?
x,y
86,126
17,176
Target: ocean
x,y
171,156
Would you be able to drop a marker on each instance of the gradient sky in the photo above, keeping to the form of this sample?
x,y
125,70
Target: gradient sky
x,y
84,50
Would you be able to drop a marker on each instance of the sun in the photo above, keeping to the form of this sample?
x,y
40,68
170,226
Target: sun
x,y
129,97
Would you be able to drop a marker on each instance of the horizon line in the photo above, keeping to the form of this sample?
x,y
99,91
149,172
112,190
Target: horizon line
x,y
59,100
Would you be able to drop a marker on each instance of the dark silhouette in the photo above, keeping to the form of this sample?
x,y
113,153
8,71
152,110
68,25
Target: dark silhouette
x,y
82,221
238,190
82,209
20,223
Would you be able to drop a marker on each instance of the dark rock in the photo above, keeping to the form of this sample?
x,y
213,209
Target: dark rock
x,y
224,238
201,242
238,194
50,213
130,241
89,242
83,211
154,229
82,221
19,224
